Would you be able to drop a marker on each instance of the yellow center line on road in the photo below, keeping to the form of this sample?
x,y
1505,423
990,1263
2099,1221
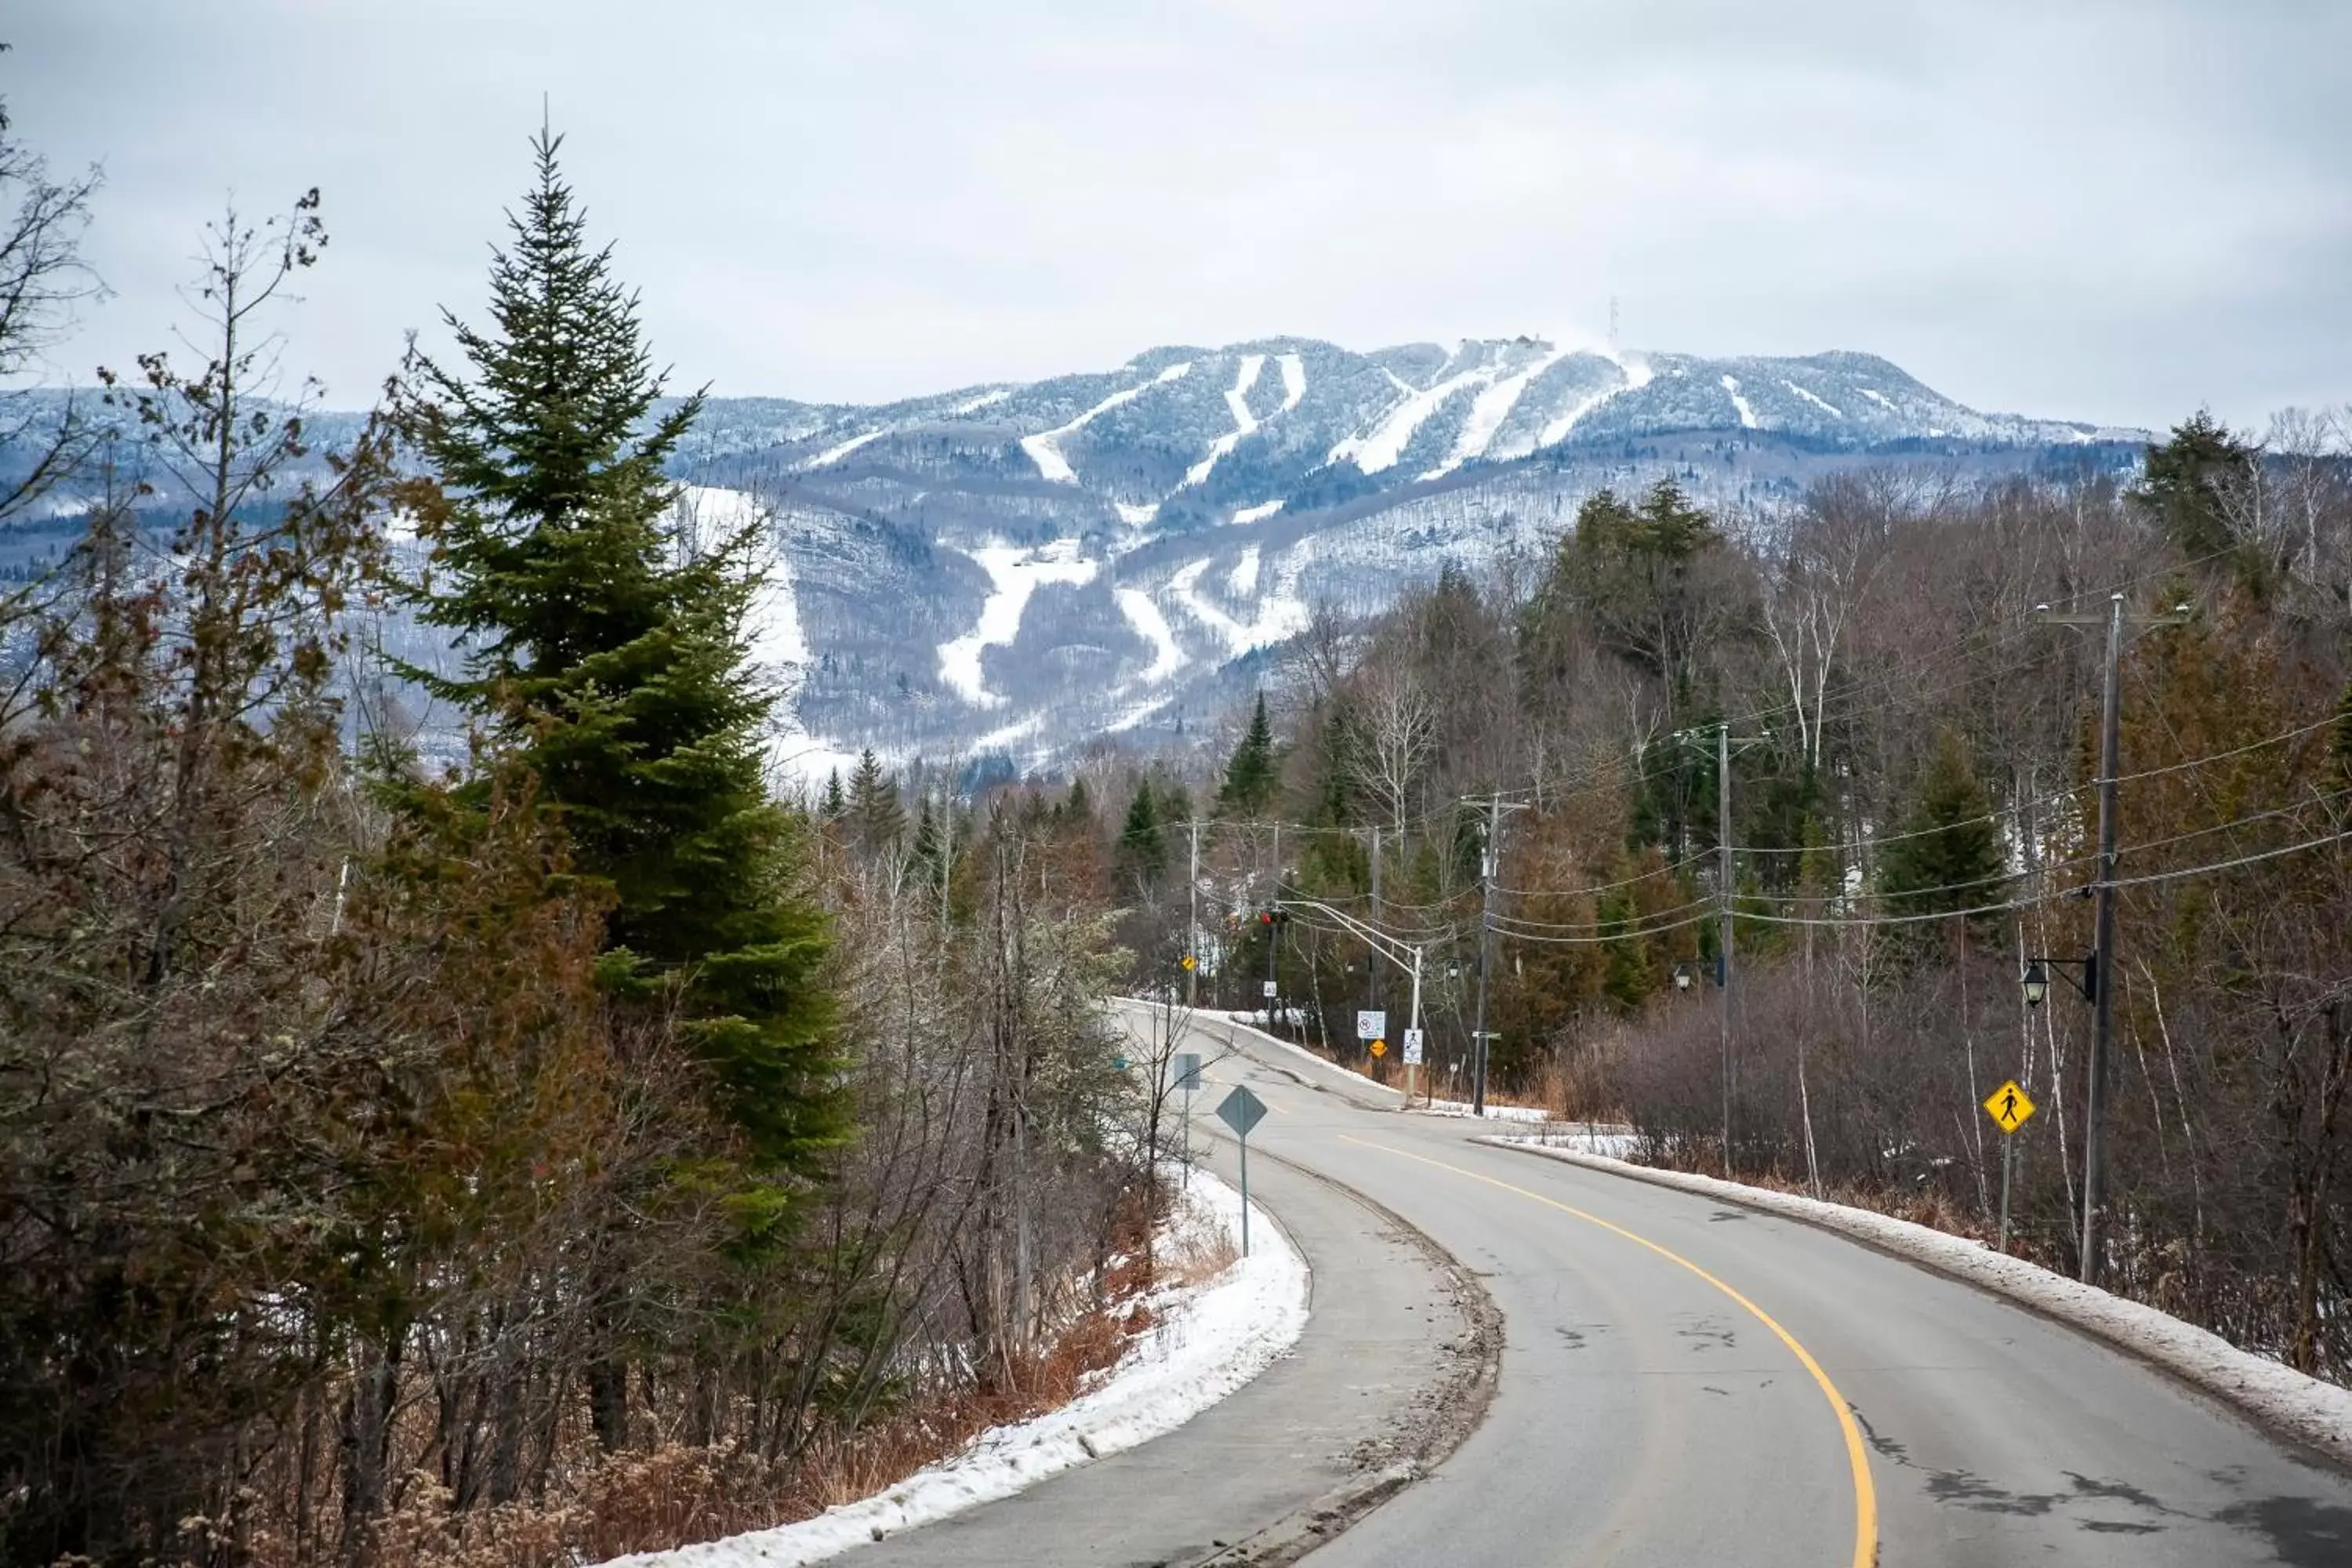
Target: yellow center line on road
x,y
1865,1496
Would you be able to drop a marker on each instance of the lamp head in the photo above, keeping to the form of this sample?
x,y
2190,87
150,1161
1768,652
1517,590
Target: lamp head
x,y
2037,984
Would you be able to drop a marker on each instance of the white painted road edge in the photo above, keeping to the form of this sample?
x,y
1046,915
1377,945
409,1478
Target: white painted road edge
x,y
2315,1413
1209,1340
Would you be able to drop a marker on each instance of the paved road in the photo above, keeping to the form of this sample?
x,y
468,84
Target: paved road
x,y
1686,1383
1309,1425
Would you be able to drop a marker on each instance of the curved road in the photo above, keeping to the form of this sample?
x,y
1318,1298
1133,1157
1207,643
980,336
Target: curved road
x,y
1685,1383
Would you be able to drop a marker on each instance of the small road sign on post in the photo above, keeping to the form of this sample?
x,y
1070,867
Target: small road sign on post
x,y
1269,988
1187,1078
1412,1038
1379,1049
1190,962
1242,1110
1371,1024
2010,1107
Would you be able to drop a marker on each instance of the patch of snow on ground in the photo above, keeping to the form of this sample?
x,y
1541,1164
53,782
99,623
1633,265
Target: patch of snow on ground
x,y
1827,408
1280,614
1135,516
1494,1112
1207,1342
1557,431
1143,614
1003,738
1617,1143
1294,382
1879,398
773,624
1258,513
975,405
1747,415
1044,449
832,454
1245,422
2306,1409
772,620
1136,715
1242,580
1635,364
1015,573
1378,448
1487,412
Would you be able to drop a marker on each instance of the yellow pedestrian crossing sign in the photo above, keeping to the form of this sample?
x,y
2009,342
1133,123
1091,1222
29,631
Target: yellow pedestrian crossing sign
x,y
2009,1106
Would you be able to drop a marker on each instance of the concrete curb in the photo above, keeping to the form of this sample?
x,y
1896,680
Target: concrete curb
x,y
2305,1410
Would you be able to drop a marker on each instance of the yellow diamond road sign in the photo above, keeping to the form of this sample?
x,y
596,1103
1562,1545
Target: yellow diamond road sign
x,y
1379,1048
1190,961
2009,1107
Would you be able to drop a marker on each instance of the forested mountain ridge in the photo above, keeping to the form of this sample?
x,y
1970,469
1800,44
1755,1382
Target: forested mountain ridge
x,y
1005,572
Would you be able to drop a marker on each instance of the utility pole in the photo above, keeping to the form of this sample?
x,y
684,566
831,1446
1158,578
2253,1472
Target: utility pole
x,y
1372,970
1723,920
1724,741
1490,866
1192,938
2103,944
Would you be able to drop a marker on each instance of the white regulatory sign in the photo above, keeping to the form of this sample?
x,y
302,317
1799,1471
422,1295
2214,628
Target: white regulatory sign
x,y
1269,987
1413,1047
1371,1024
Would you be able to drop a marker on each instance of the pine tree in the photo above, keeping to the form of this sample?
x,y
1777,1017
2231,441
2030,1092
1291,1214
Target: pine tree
x,y
1143,842
1251,777
2186,486
611,662
877,820
834,805
1948,857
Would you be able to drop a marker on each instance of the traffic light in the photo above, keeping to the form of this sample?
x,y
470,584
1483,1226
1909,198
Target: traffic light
x,y
1274,917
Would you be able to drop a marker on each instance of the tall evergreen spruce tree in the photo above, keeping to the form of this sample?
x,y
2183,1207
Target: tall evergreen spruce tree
x,y
1251,778
612,660
1949,857
1143,842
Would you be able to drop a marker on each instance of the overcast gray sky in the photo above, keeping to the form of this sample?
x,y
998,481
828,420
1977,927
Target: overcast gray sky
x,y
2069,207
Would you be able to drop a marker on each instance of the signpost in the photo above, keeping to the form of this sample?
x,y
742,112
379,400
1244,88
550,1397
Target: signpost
x,y
1187,1078
1371,1024
1378,1050
1412,1038
2010,1107
1242,1110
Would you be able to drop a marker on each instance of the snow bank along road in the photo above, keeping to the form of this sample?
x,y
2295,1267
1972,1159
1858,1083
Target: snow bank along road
x,y
1689,1383
1390,1367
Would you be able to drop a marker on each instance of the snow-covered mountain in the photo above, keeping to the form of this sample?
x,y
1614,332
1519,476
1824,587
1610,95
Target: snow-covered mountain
x,y
1002,573
1010,569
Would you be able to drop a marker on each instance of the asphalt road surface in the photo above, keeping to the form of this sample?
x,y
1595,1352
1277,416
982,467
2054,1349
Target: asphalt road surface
x,y
1687,1384
1684,1385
